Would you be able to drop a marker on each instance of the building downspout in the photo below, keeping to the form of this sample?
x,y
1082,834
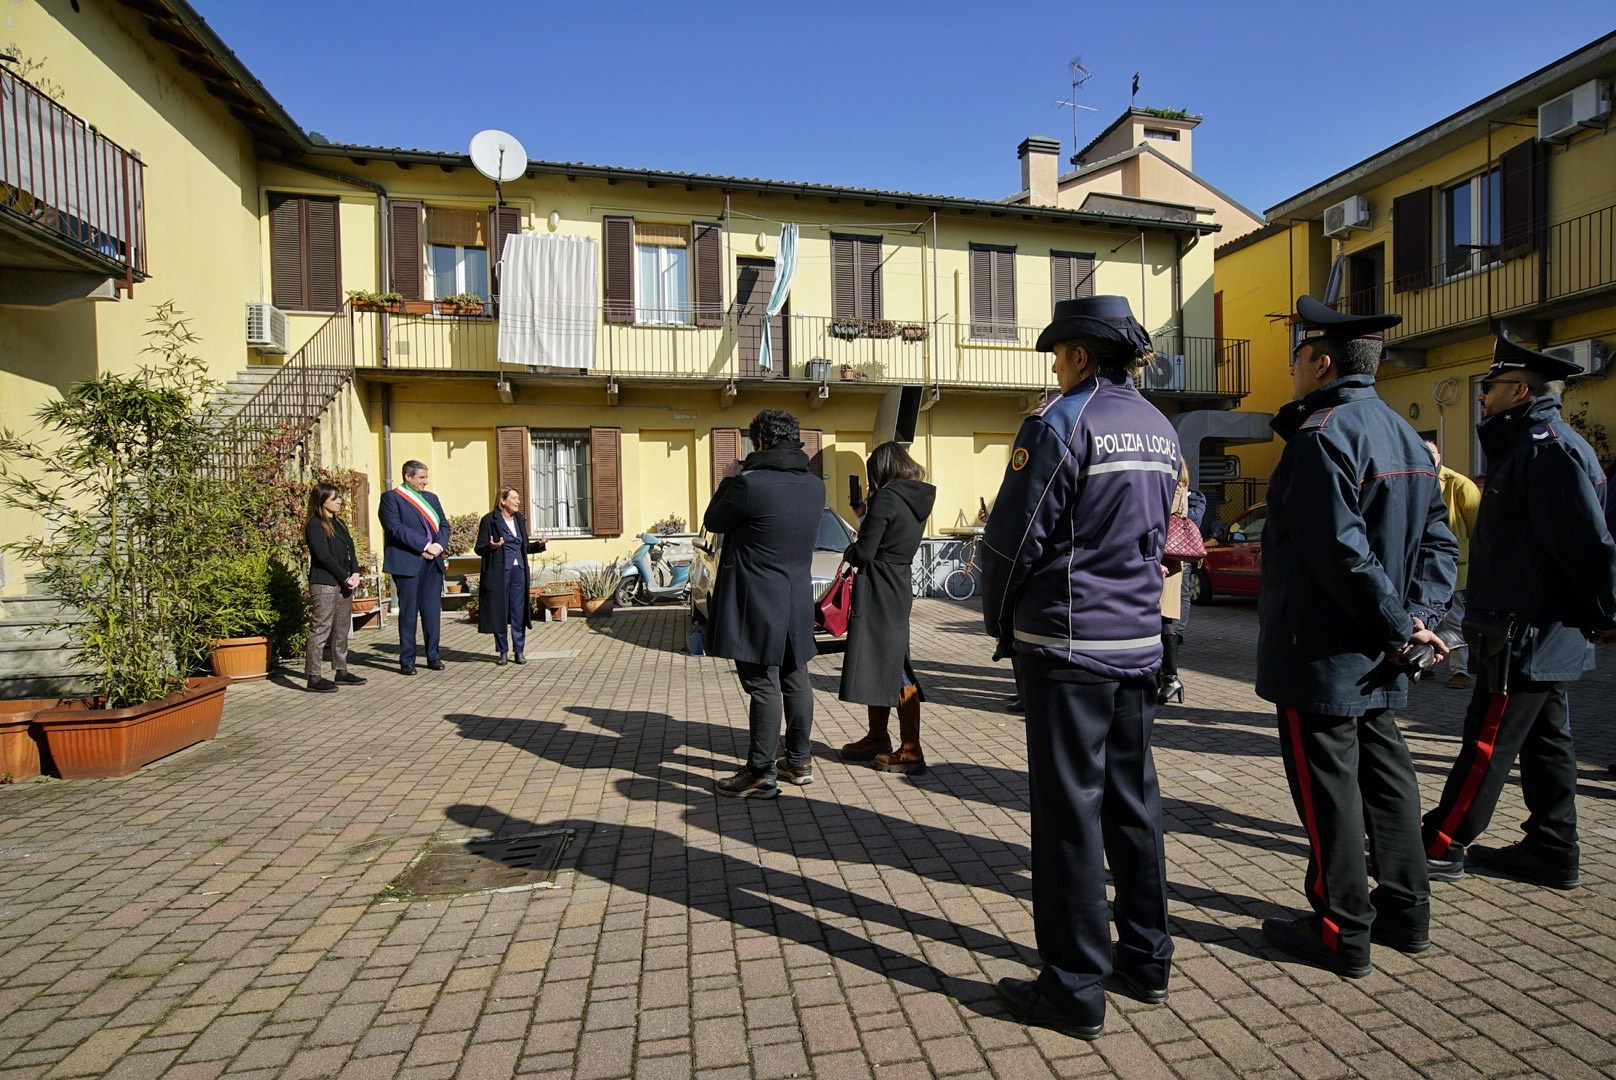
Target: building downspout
x,y
1178,291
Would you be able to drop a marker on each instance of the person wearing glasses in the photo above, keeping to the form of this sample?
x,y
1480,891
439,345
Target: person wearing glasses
x,y
1358,566
1542,593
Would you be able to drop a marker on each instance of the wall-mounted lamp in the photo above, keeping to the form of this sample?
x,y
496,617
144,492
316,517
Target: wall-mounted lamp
x,y
555,220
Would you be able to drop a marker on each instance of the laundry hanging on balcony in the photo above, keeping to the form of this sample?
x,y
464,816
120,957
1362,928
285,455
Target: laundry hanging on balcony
x,y
547,290
785,267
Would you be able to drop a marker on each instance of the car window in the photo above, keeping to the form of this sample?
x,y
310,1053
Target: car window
x,y
1251,526
833,535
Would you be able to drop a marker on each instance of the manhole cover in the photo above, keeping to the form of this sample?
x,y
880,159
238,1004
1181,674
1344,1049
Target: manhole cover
x,y
487,864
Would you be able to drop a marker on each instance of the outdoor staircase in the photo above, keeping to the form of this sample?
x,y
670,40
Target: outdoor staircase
x,y
36,659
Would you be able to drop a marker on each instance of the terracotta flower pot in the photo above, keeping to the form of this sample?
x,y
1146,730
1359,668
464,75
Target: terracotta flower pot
x,y
364,605
22,746
555,606
85,741
241,658
597,605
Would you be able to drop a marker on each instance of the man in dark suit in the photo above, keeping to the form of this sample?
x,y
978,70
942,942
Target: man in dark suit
x,y
767,508
415,533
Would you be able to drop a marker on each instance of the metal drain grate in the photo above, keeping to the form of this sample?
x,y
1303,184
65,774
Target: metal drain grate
x,y
487,864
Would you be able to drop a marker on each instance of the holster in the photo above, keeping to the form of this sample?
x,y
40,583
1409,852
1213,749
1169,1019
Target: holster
x,y
1490,635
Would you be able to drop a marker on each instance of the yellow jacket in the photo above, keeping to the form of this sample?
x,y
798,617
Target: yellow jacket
x,y
1463,499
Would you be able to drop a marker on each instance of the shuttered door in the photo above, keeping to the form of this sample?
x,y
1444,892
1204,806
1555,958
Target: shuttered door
x,y
708,255
813,443
870,276
322,265
606,480
1521,194
618,279
286,251
511,448
726,450
1411,240
503,221
405,251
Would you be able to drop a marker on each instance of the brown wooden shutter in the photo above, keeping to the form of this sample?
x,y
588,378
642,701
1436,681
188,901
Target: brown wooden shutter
x,y
1521,197
405,250
606,481
511,446
1411,240
503,221
1082,275
981,292
843,278
993,292
708,257
726,449
618,278
286,251
323,263
870,276
1004,292
813,442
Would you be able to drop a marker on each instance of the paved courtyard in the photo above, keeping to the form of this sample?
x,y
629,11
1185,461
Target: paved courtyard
x,y
229,910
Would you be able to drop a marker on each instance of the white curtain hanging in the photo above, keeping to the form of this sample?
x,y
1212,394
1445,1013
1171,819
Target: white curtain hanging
x,y
785,268
566,466
547,290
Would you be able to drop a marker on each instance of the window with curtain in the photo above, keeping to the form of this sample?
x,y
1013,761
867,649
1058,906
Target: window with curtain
x,y
1471,223
456,254
559,472
662,295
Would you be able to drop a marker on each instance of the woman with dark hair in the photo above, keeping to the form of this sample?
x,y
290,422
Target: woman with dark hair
x,y
333,576
876,670
1175,605
504,545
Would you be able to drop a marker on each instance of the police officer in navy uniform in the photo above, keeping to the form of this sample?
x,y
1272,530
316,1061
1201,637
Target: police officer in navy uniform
x,y
1542,587
1072,582
1358,568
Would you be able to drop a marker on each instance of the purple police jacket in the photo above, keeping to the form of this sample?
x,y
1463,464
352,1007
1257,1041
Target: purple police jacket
x,y
1073,548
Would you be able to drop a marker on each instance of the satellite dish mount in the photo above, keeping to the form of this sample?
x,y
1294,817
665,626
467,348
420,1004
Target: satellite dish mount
x,y
498,156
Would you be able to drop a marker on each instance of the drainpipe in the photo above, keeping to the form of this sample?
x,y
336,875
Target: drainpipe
x,y
1178,291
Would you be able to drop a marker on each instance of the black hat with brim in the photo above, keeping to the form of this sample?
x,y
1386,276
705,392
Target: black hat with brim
x,y
1320,321
1508,356
1098,318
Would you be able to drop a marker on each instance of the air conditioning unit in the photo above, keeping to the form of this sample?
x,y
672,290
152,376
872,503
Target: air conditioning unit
x,y
1568,112
1589,355
1346,215
1165,372
266,328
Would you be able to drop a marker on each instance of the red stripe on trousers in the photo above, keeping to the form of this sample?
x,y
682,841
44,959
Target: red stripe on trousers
x,y
1472,782
1328,930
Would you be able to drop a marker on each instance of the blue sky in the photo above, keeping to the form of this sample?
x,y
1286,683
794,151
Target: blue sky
x,y
930,98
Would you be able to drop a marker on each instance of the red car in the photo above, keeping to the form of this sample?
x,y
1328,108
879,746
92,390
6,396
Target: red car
x,y
1233,563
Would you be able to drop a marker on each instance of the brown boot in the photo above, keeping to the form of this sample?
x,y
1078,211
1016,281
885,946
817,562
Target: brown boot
x,y
908,758
876,742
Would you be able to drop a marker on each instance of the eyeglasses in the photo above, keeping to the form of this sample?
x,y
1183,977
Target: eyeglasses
x,y
1488,384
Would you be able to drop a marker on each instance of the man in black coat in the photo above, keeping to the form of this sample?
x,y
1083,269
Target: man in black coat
x,y
1542,584
762,610
1358,567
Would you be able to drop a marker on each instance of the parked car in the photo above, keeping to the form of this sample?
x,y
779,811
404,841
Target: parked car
x,y
1233,563
834,537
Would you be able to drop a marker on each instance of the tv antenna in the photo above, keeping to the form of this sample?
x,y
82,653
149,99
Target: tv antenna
x,y
1080,75
498,156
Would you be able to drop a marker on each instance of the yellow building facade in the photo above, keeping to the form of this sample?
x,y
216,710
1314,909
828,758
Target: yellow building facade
x,y
1498,219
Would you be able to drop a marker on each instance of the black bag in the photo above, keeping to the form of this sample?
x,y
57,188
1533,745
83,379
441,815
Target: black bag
x,y
1490,635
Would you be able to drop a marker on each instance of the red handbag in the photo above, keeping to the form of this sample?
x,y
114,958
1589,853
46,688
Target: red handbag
x,y
832,610
1183,540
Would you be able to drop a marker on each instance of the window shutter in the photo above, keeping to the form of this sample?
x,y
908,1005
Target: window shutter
x,y
1411,240
1060,278
981,292
606,481
618,280
286,251
726,448
511,448
708,256
1004,292
813,443
843,278
1082,275
323,260
870,275
503,221
405,250
1521,194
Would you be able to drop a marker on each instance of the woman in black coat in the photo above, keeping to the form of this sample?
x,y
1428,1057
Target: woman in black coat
x,y
876,670
333,576
502,586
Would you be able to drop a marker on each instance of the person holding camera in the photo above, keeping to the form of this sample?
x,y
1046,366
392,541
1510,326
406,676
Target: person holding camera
x,y
1357,570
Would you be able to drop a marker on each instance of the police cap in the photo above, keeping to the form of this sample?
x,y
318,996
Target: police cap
x,y
1100,318
1508,356
1320,321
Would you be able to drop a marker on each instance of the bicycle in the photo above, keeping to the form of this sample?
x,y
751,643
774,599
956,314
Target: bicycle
x,y
961,584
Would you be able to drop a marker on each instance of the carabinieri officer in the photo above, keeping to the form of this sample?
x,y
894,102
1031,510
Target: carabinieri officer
x,y
1072,579
1357,564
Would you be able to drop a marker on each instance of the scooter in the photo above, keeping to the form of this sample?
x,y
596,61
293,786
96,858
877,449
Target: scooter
x,y
649,579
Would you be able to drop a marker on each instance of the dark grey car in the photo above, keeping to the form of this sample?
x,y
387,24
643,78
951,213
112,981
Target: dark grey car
x,y
834,537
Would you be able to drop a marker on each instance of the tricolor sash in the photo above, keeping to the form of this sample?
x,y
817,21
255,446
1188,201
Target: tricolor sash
x,y
433,522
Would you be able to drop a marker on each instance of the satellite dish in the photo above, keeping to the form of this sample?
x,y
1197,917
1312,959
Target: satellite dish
x,y
497,155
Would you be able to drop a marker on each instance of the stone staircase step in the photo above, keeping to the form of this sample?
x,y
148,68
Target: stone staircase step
x,y
33,630
30,606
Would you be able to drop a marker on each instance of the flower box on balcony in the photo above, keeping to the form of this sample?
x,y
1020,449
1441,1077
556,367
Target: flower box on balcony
x,y
847,330
463,310
912,332
880,328
365,300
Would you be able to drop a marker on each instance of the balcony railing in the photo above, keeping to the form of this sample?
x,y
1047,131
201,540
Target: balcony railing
x,y
1575,258
59,176
817,348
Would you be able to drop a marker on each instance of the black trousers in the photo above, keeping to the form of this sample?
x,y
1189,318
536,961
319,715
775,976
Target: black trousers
x,y
777,693
1532,722
1093,785
1351,775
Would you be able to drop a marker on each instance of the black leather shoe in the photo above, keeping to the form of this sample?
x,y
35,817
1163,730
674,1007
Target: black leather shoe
x,y
322,686
348,678
1401,939
1032,1008
1450,867
406,669
1300,938
1136,985
1523,862
434,665
519,658
500,660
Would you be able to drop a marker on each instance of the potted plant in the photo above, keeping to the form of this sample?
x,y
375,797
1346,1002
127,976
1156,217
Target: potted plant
x,y
555,597
598,585
130,507
846,329
880,328
851,373
365,300
236,613
460,304
912,332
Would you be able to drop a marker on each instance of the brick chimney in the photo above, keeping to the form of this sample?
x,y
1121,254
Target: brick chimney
x,y
1040,168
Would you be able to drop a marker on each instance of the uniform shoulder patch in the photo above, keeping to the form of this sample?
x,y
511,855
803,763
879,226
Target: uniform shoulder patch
x,y
1544,432
1018,460
1317,420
